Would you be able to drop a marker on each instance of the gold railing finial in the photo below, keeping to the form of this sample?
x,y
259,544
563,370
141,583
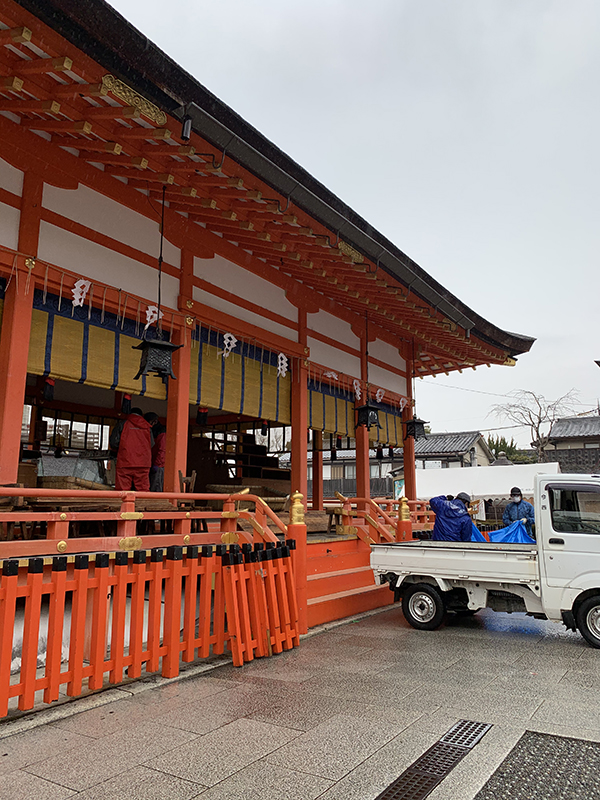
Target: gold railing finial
x,y
404,510
297,509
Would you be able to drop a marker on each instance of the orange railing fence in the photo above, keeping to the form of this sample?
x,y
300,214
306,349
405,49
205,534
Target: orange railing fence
x,y
88,620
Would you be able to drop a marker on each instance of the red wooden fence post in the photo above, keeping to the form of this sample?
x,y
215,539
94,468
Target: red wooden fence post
x,y
172,626
8,603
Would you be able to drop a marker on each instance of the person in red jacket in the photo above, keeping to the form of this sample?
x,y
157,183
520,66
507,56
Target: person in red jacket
x,y
159,448
134,456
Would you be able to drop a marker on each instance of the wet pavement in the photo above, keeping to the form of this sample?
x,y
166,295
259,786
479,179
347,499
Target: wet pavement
x,y
339,718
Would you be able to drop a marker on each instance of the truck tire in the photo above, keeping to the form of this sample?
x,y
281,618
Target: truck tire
x,y
423,606
588,620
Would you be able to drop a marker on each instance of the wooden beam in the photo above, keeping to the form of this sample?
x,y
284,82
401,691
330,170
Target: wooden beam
x,y
15,36
139,132
59,126
41,66
30,106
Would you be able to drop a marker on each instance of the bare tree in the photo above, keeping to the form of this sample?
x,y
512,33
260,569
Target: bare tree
x,y
534,411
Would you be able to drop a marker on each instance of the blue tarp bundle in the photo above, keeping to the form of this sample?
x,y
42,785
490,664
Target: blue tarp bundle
x,y
514,534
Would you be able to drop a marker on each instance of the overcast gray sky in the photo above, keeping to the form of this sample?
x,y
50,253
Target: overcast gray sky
x,y
467,131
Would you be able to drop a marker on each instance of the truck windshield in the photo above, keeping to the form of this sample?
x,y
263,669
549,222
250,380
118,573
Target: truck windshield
x,y
575,509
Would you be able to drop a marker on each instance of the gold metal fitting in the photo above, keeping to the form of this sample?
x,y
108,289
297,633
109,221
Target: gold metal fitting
x,y
187,514
130,543
63,516
230,537
189,303
187,539
30,263
131,515
61,546
189,320
297,509
404,510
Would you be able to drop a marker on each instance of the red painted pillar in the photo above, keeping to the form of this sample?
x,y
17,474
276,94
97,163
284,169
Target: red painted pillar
x,y
178,411
16,330
317,471
299,427
363,469
410,477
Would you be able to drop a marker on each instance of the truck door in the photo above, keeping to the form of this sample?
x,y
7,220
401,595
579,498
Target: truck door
x,y
571,543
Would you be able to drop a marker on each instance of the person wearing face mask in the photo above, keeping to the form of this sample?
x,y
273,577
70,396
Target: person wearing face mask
x,y
519,509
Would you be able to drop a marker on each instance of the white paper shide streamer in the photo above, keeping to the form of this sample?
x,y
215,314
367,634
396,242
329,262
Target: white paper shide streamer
x,y
152,316
333,375
357,389
379,395
79,291
229,343
282,365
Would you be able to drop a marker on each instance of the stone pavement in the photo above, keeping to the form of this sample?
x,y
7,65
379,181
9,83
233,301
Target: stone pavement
x,y
338,719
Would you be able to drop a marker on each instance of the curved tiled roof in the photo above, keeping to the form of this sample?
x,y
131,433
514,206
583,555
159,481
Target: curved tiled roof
x,y
575,428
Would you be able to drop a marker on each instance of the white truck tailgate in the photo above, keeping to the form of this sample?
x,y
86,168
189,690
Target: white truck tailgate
x,y
498,563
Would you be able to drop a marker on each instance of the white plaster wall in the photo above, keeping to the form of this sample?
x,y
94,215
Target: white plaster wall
x,y
226,307
11,178
321,353
9,226
226,275
387,353
335,328
94,261
387,380
100,213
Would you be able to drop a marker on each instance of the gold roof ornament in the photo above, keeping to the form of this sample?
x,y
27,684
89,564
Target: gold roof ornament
x,y
347,250
120,90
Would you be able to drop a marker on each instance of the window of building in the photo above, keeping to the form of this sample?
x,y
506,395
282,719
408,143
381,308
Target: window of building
x,y
326,472
337,471
350,470
375,470
575,509
309,472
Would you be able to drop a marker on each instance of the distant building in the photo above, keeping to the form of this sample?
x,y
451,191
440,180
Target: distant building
x,y
575,443
451,450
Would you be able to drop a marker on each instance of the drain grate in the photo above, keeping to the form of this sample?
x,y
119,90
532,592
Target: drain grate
x,y
421,778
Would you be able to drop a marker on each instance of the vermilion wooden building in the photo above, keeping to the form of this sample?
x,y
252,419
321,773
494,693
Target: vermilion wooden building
x,y
326,313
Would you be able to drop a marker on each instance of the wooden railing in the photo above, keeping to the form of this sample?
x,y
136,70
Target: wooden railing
x,y
86,521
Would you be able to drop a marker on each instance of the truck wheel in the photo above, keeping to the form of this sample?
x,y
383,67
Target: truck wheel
x,y
423,607
588,620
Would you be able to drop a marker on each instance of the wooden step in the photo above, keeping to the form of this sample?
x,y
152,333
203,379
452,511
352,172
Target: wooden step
x,y
345,604
341,581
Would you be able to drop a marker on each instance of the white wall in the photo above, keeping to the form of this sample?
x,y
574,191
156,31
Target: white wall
x,y
9,226
100,213
237,280
387,353
335,328
335,359
11,178
387,380
91,260
238,312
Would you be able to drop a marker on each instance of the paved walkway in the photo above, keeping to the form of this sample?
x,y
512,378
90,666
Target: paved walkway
x,y
337,719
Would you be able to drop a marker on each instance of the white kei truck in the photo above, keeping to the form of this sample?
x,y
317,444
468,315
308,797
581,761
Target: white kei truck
x,y
557,578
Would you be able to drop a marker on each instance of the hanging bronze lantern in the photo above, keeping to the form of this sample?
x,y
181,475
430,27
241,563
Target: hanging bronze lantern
x,y
156,357
415,428
368,415
157,354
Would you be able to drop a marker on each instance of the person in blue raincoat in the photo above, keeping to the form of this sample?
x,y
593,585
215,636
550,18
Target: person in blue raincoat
x,y
452,520
519,509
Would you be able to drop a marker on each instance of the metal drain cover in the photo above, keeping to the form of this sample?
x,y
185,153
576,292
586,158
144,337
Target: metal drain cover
x,y
546,767
421,778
